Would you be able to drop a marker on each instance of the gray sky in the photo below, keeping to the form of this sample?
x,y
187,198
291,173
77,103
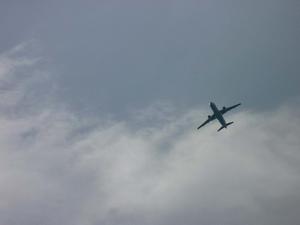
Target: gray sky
x,y
115,56
99,101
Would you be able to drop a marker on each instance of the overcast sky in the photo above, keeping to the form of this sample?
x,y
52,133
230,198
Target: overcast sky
x,y
99,101
114,56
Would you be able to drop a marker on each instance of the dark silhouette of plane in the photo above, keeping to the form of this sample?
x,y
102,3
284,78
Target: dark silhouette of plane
x,y
218,114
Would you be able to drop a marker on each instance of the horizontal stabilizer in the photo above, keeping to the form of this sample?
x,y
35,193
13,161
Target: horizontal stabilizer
x,y
227,124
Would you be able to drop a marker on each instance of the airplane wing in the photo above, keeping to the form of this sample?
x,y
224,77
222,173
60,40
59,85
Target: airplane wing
x,y
225,110
210,118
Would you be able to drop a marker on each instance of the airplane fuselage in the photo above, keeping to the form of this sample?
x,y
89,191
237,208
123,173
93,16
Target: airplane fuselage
x,y
218,114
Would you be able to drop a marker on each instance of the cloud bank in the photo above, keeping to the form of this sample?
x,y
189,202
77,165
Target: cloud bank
x,y
57,167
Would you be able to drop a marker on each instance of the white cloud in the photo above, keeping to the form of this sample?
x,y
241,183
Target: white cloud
x,y
58,168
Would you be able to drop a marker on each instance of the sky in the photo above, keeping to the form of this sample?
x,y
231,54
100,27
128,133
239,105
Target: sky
x,y
99,101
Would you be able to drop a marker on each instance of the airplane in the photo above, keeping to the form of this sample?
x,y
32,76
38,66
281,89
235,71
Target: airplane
x,y
218,114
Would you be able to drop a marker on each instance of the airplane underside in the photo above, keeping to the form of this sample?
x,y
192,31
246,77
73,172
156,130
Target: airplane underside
x,y
218,114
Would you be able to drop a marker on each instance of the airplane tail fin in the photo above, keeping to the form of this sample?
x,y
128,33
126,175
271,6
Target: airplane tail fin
x,y
227,124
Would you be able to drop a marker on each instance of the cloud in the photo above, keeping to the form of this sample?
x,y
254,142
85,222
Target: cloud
x,y
57,167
